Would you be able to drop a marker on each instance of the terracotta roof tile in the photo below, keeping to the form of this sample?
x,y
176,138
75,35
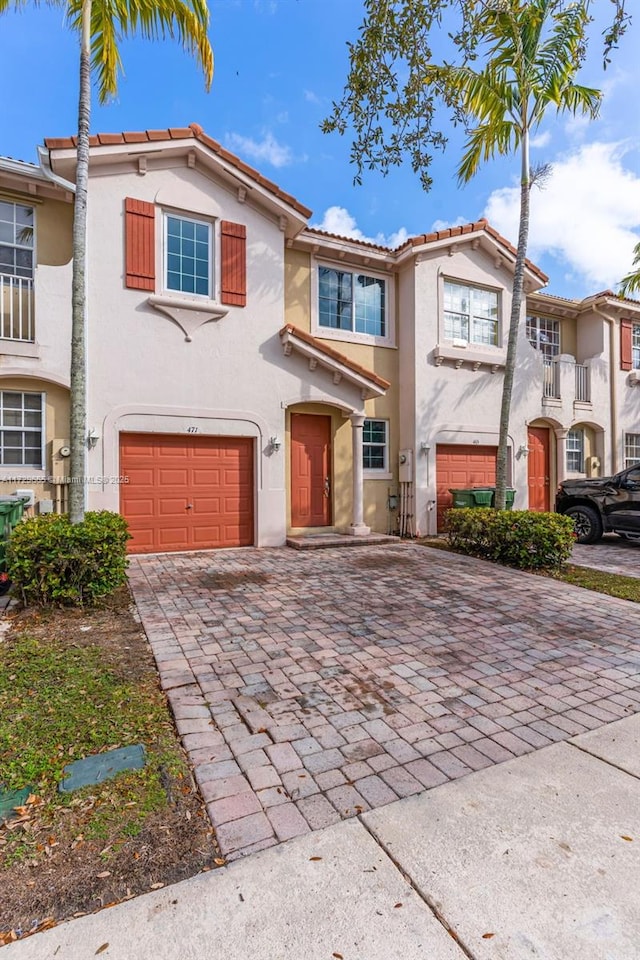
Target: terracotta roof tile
x,y
360,243
322,347
194,131
467,228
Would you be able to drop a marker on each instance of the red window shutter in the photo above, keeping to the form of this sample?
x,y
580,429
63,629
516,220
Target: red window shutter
x,y
626,351
140,245
233,243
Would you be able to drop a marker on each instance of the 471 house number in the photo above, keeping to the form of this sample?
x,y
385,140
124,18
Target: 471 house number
x,y
192,429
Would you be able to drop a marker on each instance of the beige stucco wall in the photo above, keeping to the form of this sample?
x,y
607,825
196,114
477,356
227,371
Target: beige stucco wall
x,y
56,427
54,224
297,289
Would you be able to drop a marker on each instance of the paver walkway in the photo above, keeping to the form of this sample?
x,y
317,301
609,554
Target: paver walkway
x,y
309,687
612,554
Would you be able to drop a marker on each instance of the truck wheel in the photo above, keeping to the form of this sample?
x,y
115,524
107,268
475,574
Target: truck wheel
x,y
586,523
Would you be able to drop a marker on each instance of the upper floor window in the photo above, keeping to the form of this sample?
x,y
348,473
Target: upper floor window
x,y
470,313
21,429
188,255
544,335
375,444
631,449
635,346
352,301
16,240
575,451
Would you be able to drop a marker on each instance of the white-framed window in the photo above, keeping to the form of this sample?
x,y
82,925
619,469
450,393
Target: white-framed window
x,y
631,449
375,445
22,429
351,301
575,451
16,240
188,255
543,334
471,314
635,346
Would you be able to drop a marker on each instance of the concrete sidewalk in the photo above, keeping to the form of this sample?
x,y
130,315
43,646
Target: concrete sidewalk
x,y
535,857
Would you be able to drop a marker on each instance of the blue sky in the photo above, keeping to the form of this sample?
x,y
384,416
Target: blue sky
x,y
279,65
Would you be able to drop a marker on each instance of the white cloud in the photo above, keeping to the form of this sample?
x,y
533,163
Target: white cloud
x,y
267,150
311,97
541,139
587,215
338,220
448,224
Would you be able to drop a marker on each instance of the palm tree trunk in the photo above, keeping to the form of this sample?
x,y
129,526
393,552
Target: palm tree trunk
x,y
514,325
78,374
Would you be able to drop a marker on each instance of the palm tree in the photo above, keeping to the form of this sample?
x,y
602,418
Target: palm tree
x,y
631,283
100,26
534,48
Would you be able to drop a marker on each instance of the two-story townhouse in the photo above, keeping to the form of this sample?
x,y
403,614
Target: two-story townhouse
x,y
194,379
251,377
36,214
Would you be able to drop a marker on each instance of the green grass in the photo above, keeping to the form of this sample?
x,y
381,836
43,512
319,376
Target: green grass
x,y
611,584
59,703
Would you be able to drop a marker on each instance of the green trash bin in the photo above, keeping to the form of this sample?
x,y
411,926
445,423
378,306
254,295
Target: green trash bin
x,y
483,496
462,498
509,497
12,509
7,512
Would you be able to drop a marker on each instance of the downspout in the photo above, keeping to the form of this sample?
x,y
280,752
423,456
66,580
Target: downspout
x,y
614,365
45,166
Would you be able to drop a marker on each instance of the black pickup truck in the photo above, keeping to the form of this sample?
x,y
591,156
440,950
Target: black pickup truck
x,y
608,504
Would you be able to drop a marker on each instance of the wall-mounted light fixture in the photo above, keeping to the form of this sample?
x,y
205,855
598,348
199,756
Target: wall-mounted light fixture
x,y
274,444
92,438
523,450
425,447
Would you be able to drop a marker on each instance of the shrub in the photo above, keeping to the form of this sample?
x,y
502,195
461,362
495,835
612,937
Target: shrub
x,y
516,538
52,561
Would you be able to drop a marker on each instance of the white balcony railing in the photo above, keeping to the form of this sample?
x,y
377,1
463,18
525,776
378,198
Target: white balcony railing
x,y
551,380
16,309
583,384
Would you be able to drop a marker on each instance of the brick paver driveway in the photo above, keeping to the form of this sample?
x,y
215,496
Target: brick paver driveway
x,y
611,554
312,686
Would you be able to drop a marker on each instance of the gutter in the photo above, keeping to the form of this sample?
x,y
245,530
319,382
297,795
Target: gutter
x,y
45,166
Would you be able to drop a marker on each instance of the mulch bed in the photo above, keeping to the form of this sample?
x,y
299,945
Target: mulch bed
x,y
70,877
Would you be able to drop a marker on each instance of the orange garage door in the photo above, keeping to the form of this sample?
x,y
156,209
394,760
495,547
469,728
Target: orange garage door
x,y
187,493
459,466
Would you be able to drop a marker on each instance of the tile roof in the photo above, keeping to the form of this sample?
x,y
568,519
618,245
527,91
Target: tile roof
x,y
361,243
322,347
467,228
425,238
195,132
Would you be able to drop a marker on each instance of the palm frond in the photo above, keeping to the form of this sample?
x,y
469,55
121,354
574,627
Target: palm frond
x,y
111,20
631,283
484,142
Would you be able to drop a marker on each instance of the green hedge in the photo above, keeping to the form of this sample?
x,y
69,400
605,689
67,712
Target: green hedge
x,y
516,538
51,561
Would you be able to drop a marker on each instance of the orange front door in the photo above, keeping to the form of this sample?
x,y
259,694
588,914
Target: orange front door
x,y
538,468
186,493
310,470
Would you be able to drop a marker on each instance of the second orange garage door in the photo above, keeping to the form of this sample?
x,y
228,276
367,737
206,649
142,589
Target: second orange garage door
x,y
462,466
187,493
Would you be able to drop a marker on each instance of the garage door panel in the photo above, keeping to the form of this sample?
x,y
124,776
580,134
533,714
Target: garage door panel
x,y
205,478
461,466
172,477
214,474
141,508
